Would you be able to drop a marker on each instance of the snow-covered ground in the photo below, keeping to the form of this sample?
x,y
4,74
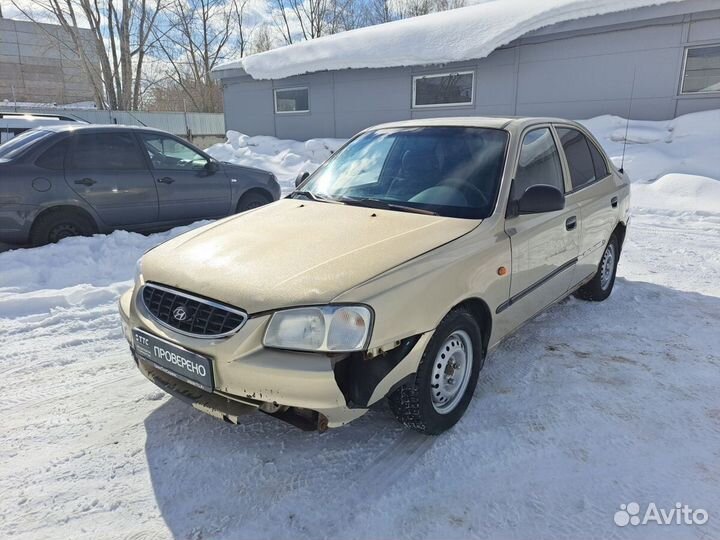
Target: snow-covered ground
x,y
589,407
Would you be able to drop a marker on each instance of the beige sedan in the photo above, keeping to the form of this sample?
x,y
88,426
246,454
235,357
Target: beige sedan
x,y
391,271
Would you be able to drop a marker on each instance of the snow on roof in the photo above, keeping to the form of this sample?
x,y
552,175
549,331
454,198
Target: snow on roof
x,y
460,34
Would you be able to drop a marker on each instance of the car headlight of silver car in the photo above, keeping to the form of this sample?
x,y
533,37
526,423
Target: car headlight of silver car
x,y
341,328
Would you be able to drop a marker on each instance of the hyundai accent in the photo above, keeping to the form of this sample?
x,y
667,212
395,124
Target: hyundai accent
x,y
390,272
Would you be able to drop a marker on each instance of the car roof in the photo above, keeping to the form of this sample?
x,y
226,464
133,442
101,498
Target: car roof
x,y
492,122
98,127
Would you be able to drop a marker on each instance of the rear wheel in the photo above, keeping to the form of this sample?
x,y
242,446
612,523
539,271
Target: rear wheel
x,y
445,379
601,285
251,200
56,225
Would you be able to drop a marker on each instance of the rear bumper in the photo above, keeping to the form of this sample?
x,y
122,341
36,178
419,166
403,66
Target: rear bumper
x,y
247,376
15,222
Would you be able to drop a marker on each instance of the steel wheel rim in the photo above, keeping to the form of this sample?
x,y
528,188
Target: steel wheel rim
x,y
607,267
451,372
63,230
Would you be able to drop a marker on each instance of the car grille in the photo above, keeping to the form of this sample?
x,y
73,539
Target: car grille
x,y
191,315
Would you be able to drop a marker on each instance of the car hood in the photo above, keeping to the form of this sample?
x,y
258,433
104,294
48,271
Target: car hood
x,y
234,168
295,252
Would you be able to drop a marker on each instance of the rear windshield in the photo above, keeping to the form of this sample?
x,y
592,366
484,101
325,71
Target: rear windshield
x,y
17,145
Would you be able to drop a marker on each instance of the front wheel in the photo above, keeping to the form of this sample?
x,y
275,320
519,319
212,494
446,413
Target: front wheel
x,y
601,285
445,379
251,200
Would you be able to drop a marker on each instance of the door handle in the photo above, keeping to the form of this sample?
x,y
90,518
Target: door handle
x,y
165,180
613,202
571,223
86,182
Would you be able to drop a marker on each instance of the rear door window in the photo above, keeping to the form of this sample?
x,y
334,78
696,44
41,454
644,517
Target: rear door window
x,y
538,163
601,170
54,157
579,159
106,151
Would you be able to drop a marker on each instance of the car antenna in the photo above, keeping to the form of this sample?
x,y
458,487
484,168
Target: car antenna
x,y
627,121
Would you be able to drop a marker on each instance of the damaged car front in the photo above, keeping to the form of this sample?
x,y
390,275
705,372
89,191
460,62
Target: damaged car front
x,y
315,307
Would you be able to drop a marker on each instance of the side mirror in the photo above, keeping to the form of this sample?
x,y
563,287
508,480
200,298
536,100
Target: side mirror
x,y
541,198
212,166
301,178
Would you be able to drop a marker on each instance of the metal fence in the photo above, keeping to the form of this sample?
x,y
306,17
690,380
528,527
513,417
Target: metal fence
x,y
187,125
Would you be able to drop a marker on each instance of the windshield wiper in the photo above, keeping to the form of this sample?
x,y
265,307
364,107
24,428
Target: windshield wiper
x,y
383,205
313,196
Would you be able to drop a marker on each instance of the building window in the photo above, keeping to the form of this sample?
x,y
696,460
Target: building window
x,y
702,70
292,100
443,89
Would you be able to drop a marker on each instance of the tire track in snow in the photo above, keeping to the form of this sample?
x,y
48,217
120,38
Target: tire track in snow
x,y
368,485
37,395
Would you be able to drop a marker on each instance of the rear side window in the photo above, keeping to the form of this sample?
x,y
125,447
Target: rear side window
x,y
106,151
577,153
601,170
54,157
539,163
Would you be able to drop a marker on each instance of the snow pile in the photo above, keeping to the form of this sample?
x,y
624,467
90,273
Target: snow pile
x,y
675,194
688,144
75,273
450,36
284,158
674,164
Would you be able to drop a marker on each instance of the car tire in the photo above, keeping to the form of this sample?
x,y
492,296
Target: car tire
x,y
602,283
428,404
251,200
54,226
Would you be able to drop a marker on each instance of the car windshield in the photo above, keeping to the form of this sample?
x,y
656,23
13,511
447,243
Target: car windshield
x,y
17,145
449,171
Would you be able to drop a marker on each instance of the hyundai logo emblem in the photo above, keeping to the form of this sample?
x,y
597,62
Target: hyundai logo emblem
x,y
179,314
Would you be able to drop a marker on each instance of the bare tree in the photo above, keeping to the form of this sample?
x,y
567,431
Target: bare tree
x,y
310,16
347,15
380,11
243,34
309,19
262,39
193,40
113,57
414,8
280,19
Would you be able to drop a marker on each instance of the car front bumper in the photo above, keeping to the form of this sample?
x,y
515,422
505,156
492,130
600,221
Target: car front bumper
x,y
247,376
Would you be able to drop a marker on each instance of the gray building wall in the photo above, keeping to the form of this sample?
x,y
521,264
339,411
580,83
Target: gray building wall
x,y
577,69
35,67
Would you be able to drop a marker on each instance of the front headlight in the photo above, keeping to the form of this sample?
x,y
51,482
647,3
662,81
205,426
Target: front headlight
x,y
320,329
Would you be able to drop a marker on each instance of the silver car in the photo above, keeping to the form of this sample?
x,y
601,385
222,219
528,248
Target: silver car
x,y
72,180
